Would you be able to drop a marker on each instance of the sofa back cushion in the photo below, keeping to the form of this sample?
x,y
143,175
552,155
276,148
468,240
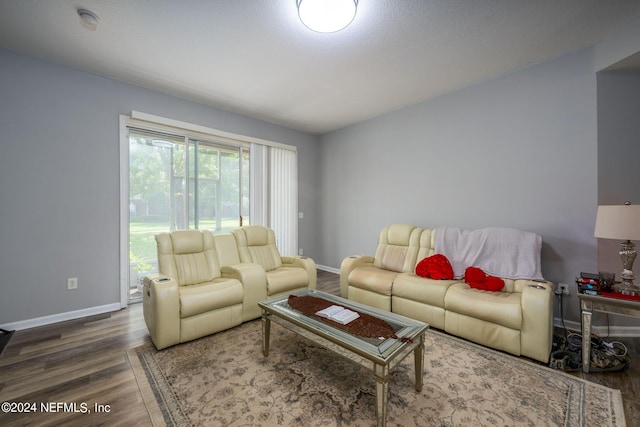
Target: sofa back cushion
x,y
257,244
188,256
398,247
426,245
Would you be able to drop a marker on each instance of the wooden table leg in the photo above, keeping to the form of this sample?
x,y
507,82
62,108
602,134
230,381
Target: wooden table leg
x,y
266,330
418,357
382,393
586,309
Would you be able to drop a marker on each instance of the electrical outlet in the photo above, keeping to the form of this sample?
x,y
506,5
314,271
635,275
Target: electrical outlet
x,y
300,252
72,283
563,289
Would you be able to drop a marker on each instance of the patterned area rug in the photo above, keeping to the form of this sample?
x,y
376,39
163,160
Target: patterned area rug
x,y
224,380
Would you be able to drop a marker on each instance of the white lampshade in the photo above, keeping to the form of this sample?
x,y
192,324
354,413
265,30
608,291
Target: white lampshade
x,y
620,222
327,16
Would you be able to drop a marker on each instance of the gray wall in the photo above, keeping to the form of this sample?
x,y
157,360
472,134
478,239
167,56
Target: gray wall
x,y
520,150
516,151
618,137
59,173
618,155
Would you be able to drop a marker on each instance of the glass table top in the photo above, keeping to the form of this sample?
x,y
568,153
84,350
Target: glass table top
x,y
405,329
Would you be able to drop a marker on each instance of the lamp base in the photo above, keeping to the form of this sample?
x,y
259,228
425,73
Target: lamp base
x,y
627,256
627,288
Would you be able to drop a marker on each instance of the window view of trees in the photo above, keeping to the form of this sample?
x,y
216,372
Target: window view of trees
x,y
215,196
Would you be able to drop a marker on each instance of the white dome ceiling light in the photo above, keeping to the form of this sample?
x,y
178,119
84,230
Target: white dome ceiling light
x,y
327,16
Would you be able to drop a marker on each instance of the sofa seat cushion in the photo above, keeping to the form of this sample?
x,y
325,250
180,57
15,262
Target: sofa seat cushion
x,y
284,279
209,296
373,279
500,308
420,289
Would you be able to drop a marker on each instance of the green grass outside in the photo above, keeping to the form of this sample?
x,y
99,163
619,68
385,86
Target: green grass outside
x,y
142,244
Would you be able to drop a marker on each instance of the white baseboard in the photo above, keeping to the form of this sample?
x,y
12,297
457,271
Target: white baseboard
x,y
601,330
60,317
329,269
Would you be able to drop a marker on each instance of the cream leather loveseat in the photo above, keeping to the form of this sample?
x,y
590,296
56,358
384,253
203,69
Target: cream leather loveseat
x,y
517,320
207,283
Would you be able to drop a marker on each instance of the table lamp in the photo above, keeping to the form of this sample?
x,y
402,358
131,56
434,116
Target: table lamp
x,y
621,222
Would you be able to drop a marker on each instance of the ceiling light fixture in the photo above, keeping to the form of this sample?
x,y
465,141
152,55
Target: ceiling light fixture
x,y
88,19
327,16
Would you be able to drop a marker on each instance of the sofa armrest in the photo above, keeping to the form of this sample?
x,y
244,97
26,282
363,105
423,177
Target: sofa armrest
x,y
161,308
254,285
348,265
306,263
537,320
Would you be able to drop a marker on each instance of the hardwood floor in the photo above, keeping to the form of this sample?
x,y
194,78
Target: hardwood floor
x,y
85,361
81,361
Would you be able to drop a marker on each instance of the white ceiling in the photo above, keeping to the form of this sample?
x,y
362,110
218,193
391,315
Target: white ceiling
x,y
256,58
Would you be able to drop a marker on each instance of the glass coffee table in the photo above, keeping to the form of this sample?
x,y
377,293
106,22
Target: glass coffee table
x,y
379,354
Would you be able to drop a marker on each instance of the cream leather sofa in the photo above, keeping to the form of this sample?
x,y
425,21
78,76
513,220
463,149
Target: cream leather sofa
x,y
206,284
517,320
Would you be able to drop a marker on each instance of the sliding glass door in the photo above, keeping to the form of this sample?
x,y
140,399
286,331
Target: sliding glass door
x,y
178,183
219,186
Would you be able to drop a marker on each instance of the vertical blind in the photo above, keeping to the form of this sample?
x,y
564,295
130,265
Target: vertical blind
x,y
283,192
259,195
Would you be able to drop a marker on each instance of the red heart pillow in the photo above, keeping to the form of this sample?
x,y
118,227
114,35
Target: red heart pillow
x,y
477,279
474,275
435,267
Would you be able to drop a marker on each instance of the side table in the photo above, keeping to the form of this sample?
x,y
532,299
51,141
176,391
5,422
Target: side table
x,y
591,303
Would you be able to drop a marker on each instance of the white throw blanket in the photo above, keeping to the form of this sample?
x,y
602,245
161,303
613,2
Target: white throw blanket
x,y
504,252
